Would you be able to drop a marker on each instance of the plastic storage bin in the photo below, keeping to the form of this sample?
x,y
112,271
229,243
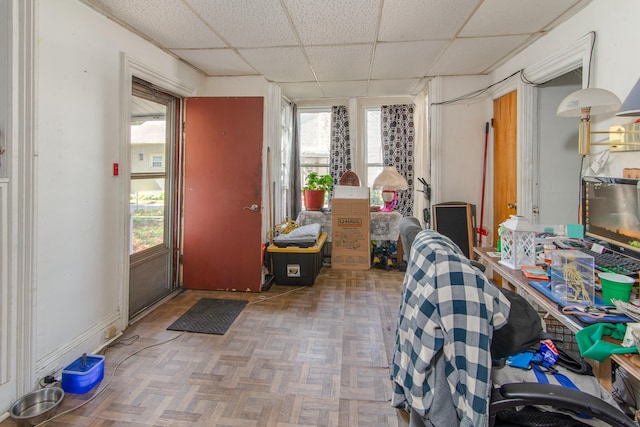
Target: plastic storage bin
x,y
79,377
572,277
297,266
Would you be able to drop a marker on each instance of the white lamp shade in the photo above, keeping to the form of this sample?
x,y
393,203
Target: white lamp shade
x,y
631,105
597,100
390,179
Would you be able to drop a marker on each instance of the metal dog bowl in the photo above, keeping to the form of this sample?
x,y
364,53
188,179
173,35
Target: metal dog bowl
x,y
36,407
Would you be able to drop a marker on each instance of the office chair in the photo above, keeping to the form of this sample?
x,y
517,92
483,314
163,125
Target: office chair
x,y
442,362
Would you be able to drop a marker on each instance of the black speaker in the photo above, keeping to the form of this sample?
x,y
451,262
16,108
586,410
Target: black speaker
x,y
456,220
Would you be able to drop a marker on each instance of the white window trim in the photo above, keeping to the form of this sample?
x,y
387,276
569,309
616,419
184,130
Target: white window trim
x,y
152,159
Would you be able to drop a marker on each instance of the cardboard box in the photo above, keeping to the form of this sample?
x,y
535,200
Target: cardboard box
x,y
350,192
350,241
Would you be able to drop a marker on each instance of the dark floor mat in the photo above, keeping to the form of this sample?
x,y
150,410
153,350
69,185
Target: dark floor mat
x,y
209,316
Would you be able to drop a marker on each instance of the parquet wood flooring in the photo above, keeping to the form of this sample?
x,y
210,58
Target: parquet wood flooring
x,y
294,357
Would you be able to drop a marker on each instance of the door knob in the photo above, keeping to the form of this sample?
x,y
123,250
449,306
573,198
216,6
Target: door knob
x,y
252,208
512,205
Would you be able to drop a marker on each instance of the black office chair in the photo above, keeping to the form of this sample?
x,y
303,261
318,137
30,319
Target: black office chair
x,y
510,396
502,400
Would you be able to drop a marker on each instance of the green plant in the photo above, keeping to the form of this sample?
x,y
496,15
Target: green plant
x,y
313,181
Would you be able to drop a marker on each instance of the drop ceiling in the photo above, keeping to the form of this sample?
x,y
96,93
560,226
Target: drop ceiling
x,y
341,48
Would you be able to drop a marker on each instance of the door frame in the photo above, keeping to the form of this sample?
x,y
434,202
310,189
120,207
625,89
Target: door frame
x,y
134,67
573,56
20,185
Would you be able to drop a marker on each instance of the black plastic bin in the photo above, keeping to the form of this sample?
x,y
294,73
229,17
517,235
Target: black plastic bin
x,y
297,266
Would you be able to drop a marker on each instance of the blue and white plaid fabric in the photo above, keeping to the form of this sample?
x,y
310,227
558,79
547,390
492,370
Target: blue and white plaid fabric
x,y
446,305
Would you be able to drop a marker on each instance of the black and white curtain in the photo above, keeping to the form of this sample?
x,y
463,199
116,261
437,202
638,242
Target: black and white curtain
x,y
294,176
398,142
340,149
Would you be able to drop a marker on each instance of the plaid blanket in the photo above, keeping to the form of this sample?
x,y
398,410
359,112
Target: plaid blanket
x,y
447,305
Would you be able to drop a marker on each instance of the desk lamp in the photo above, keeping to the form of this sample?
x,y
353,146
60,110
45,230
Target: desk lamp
x,y
390,181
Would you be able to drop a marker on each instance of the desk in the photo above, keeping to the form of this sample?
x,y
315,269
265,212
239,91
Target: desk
x,y
517,281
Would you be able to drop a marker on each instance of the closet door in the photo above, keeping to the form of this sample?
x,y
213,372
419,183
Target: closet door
x,y
505,151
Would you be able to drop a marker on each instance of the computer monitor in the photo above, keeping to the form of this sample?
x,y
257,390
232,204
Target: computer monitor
x,y
610,212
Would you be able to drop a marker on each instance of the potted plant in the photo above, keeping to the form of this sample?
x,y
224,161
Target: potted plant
x,y
314,190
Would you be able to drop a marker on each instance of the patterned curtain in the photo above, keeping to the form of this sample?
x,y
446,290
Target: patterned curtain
x,y
340,150
398,139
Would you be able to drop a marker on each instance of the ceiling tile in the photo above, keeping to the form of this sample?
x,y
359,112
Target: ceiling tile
x,y
282,64
474,56
340,62
276,38
345,89
216,62
338,22
407,59
168,22
301,90
406,20
394,87
247,23
504,17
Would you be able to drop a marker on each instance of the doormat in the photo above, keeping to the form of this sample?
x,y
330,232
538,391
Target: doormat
x,y
209,316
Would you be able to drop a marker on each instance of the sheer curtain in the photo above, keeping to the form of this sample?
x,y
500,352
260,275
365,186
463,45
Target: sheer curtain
x,y
340,149
398,142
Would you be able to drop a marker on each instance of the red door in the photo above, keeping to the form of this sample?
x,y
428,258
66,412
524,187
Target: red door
x,y
222,181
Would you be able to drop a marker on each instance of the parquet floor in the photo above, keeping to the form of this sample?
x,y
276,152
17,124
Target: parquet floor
x,y
295,356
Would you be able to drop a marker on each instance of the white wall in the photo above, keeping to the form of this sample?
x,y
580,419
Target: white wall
x,y
456,143
615,65
80,227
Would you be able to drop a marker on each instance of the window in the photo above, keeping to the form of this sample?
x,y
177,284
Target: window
x,y
286,144
373,144
153,119
315,140
157,161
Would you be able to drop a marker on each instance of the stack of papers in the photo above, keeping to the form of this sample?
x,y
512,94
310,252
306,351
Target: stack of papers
x,y
535,272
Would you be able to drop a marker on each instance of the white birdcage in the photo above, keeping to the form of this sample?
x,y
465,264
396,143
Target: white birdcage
x,y
518,242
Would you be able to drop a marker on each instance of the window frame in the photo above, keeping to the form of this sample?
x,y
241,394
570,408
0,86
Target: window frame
x,y
313,166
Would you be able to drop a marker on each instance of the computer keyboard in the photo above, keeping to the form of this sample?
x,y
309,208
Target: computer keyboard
x,y
613,262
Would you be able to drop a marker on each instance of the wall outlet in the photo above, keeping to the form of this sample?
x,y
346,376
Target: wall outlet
x,y
110,332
